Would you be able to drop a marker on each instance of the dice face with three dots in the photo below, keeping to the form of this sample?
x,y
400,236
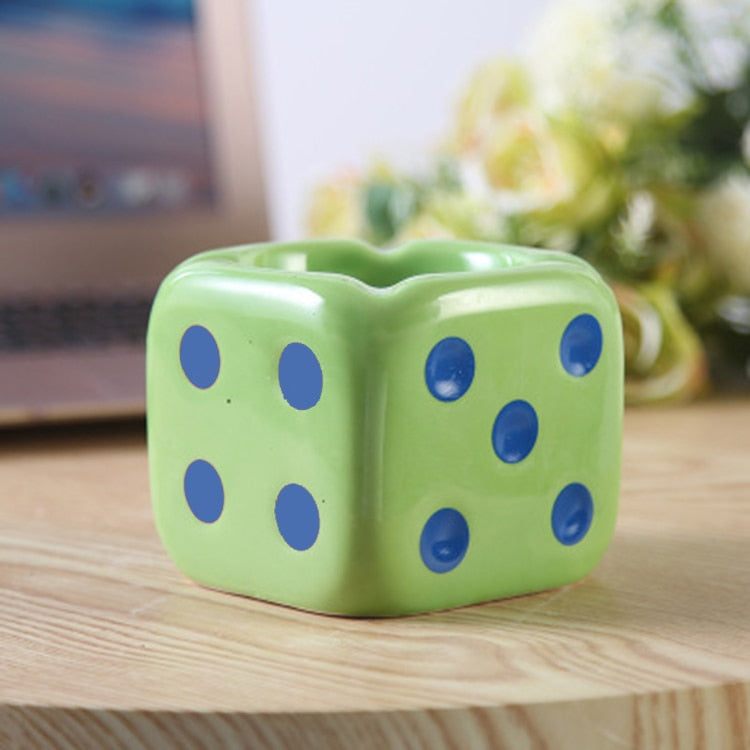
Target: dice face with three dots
x,y
380,433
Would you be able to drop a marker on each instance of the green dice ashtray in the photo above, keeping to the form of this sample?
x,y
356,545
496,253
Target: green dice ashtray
x,y
366,432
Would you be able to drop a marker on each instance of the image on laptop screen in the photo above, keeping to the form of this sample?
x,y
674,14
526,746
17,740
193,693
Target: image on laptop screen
x,y
127,143
102,109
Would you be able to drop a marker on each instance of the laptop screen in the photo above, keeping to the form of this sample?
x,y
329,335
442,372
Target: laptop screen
x,y
102,109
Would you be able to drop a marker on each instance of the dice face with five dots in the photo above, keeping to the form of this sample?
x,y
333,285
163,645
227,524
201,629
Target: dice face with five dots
x,y
369,432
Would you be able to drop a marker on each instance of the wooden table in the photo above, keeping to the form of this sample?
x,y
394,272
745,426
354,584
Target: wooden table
x,y
104,644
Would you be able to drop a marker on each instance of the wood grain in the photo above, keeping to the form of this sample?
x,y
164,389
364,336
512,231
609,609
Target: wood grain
x,y
104,644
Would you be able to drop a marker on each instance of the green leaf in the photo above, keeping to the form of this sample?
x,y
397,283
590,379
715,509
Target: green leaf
x,y
388,207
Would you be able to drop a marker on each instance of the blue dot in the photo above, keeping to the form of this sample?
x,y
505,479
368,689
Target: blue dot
x,y
297,517
449,369
572,514
204,491
300,376
199,356
515,431
444,540
581,345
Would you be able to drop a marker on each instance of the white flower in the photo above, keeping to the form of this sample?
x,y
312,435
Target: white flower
x,y
589,55
723,218
720,30
523,161
638,223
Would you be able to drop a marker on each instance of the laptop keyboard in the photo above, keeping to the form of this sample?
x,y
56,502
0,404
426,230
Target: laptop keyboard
x,y
65,323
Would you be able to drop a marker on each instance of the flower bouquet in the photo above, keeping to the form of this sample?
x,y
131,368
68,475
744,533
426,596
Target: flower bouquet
x,y
623,138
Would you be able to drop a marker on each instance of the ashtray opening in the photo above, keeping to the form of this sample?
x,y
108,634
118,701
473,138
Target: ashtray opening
x,y
384,268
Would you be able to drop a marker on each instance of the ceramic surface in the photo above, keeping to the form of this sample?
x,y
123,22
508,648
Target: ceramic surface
x,y
365,432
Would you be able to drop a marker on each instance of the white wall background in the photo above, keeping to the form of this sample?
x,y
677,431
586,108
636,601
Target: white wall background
x,y
340,81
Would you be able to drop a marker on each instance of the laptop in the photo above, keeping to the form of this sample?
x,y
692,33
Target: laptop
x,y
128,141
